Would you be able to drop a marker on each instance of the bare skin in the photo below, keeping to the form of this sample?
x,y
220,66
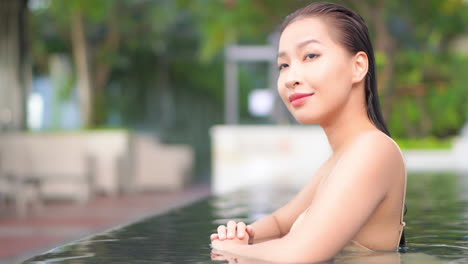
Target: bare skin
x,y
358,192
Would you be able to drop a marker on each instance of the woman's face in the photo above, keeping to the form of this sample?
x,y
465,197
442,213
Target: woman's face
x,y
315,72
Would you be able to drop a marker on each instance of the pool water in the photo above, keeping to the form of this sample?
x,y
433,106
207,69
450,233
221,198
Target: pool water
x,y
437,228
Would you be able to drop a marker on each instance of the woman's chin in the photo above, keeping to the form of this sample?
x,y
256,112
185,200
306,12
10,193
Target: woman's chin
x,y
306,120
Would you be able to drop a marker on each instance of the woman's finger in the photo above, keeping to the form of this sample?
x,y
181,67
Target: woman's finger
x,y
240,230
222,232
213,237
250,230
231,229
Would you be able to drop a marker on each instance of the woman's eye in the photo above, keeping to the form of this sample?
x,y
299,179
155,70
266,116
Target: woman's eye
x,y
311,56
282,66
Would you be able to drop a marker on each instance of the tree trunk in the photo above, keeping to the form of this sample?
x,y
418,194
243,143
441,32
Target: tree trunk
x,y
15,66
109,47
80,54
102,63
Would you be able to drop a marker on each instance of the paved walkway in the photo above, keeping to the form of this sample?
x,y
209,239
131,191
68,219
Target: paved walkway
x,y
61,223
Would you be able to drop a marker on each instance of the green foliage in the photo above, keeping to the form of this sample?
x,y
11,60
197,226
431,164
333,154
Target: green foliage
x,y
235,21
424,143
94,11
220,23
171,47
432,94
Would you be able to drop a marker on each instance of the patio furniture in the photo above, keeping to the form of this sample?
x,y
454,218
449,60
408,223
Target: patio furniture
x,y
30,170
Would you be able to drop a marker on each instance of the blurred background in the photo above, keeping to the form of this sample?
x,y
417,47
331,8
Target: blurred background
x,y
111,98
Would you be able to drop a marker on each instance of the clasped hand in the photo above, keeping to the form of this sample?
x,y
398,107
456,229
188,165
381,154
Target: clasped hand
x,y
232,233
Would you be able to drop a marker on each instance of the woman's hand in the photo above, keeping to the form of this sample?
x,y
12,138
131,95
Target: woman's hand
x,y
233,230
228,243
216,243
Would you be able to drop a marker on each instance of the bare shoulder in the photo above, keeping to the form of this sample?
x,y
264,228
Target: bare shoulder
x,y
374,155
375,145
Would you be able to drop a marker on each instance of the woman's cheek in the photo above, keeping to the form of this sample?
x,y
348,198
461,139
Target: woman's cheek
x,y
282,91
279,84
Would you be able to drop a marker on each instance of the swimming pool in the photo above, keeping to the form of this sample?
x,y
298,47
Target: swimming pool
x,y
437,228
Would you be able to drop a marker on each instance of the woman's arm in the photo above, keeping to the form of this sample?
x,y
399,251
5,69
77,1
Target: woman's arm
x,y
278,224
266,228
348,197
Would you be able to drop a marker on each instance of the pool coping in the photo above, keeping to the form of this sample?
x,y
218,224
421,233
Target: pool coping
x,y
170,200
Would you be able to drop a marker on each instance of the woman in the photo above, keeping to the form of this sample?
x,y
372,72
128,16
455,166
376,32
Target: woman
x,y
355,200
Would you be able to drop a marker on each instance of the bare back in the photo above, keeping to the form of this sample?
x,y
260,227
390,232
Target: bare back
x,y
382,230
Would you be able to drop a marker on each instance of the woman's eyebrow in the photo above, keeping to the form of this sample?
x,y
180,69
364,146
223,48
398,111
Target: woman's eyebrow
x,y
307,41
300,45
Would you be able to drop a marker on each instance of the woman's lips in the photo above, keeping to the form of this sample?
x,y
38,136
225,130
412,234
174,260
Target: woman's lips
x,y
298,99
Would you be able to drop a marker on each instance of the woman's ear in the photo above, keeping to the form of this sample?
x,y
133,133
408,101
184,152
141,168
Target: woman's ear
x,y
360,66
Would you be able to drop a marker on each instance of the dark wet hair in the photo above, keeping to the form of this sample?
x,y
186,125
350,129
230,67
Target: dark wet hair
x,y
350,30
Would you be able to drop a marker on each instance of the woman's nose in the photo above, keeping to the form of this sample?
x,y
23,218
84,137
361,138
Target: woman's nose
x,y
292,79
291,84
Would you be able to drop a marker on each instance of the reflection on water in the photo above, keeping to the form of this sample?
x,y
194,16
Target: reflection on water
x,y
437,228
